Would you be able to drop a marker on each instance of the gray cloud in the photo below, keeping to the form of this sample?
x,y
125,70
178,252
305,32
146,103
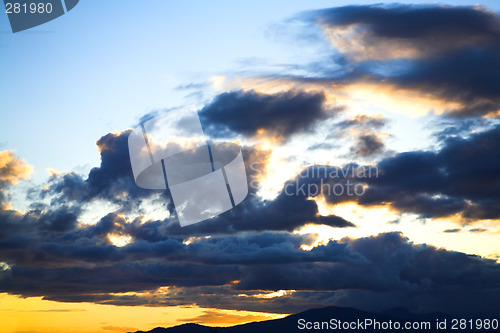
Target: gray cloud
x,y
372,273
280,115
368,145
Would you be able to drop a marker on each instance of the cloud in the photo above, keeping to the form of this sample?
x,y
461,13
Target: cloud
x,y
447,128
478,230
363,122
372,273
365,131
115,278
277,115
393,266
383,32
466,77
440,52
59,220
461,178
52,236
55,310
86,245
215,317
322,146
368,145
284,213
12,169
113,182
50,243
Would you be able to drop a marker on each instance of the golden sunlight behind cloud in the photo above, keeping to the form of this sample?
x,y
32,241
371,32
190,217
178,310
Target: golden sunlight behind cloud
x,y
371,221
395,99
119,240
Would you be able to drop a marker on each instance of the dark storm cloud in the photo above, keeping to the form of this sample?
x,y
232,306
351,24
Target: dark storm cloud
x,y
81,261
60,220
38,222
451,53
285,213
469,77
112,181
220,297
266,248
114,278
463,177
373,273
392,265
429,28
280,115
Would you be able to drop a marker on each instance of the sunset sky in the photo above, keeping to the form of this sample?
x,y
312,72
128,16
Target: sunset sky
x,y
311,90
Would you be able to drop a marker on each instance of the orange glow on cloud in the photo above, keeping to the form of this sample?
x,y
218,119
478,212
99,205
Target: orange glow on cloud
x,y
395,99
12,169
359,45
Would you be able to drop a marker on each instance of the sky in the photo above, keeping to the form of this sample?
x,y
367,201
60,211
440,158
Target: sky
x,y
397,101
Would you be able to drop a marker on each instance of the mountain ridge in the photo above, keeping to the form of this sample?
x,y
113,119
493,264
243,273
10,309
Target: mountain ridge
x,y
331,319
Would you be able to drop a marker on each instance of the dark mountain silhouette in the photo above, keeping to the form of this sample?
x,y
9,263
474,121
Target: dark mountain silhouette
x,y
328,317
